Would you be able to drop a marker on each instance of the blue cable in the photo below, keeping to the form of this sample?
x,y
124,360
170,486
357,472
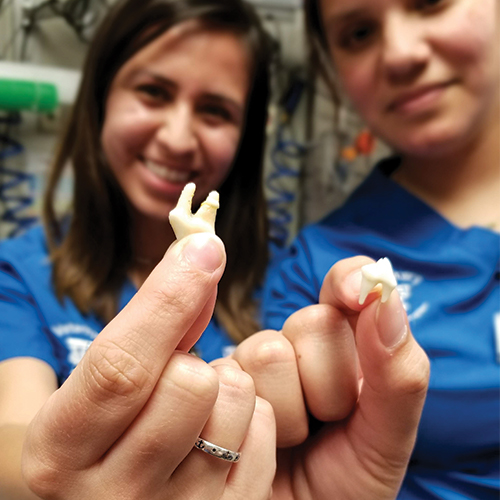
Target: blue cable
x,y
15,204
283,156
281,198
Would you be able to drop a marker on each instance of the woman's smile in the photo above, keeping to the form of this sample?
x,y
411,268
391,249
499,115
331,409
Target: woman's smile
x,y
166,173
162,181
421,99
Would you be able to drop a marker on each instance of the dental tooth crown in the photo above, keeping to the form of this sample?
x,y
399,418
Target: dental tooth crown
x,y
374,274
183,222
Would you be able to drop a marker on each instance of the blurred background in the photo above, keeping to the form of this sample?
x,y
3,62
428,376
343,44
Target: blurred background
x,y
313,159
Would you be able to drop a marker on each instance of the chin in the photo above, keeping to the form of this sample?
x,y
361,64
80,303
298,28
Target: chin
x,y
153,212
159,215
431,143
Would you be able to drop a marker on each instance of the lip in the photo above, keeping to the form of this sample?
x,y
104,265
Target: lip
x,y
418,99
167,173
168,183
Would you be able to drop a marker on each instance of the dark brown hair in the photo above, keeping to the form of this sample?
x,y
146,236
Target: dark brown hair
x,y
91,249
318,47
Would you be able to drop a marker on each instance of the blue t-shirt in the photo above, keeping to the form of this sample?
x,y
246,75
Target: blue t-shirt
x,y
34,323
449,282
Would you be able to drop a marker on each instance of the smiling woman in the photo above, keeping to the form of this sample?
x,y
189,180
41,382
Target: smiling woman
x,y
183,100
169,122
173,91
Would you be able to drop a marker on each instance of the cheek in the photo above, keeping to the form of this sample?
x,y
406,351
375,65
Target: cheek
x,y
126,129
358,83
221,146
471,39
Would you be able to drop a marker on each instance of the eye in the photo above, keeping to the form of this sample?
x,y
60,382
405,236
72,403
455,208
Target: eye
x,y
217,112
154,93
357,36
429,5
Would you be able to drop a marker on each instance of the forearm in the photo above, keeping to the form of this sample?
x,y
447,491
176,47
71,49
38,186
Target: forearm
x,y
12,485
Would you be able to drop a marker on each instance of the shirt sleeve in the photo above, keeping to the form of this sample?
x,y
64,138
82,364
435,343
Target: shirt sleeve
x,y
23,331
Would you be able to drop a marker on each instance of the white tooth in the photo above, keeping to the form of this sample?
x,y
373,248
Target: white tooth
x,y
378,273
167,173
183,222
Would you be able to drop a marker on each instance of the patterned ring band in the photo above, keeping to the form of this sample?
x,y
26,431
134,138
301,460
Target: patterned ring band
x,y
217,451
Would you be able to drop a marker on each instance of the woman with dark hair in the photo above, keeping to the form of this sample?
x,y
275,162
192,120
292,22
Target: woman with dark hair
x,y
173,91
425,77
93,275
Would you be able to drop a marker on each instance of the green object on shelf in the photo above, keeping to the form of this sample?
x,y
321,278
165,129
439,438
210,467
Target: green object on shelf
x,y
17,95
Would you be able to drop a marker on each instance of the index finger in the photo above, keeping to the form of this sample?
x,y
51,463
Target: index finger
x,y
341,286
117,375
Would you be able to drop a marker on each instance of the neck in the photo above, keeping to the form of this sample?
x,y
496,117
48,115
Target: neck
x,y
462,185
151,239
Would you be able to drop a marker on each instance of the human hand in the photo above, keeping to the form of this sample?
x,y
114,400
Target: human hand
x,y
358,371
124,423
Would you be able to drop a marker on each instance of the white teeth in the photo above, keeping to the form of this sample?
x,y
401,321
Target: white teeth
x,y
167,173
373,274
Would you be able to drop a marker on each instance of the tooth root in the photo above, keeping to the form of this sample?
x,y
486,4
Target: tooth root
x,y
380,272
186,198
367,284
208,209
178,223
179,217
183,222
386,292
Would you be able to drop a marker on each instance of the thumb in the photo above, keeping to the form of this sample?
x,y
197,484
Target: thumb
x,y
116,377
395,380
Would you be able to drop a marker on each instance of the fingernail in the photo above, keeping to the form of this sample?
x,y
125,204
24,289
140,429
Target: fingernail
x,y
353,282
391,321
203,252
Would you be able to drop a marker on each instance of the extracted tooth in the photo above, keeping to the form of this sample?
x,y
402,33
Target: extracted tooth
x,y
374,274
208,209
183,222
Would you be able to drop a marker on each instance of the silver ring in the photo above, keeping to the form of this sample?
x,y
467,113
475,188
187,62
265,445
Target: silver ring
x,y
217,451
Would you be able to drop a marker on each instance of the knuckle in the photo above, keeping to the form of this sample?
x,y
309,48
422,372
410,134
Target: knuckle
x,y
274,352
165,300
414,380
113,371
168,294
420,380
301,319
190,380
40,478
316,323
236,380
267,352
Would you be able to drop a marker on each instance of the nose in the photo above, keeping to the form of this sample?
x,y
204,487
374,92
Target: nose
x,y
405,48
176,132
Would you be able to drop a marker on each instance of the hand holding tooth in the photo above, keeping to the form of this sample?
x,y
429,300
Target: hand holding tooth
x,y
358,371
183,222
374,274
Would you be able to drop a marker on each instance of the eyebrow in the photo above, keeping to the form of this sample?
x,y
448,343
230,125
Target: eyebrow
x,y
159,78
343,17
214,97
